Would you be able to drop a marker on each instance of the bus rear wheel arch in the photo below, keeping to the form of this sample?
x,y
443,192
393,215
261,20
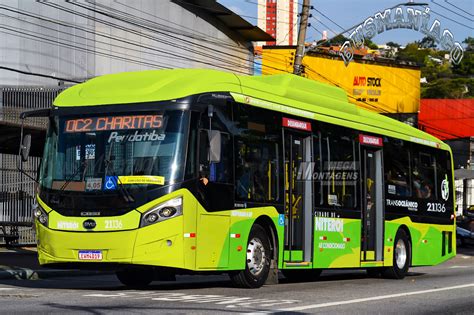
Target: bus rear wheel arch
x,y
401,256
258,260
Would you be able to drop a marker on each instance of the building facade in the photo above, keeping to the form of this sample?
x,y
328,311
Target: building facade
x,y
279,18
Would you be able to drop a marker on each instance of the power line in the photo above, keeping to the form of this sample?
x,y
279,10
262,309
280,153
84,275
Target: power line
x,y
136,24
452,11
328,18
38,74
459,23
326,26
179,56
48,40
459,8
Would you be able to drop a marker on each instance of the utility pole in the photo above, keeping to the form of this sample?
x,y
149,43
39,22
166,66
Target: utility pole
x,y
301,37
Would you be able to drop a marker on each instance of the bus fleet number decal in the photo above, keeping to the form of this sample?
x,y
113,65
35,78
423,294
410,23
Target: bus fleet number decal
x,y
436,207
113,224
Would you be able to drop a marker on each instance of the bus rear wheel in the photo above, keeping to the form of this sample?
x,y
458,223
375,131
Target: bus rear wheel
x,y
401,257
135,277
258,258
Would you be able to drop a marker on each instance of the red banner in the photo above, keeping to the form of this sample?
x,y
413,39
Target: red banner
x,y
296,124
370,140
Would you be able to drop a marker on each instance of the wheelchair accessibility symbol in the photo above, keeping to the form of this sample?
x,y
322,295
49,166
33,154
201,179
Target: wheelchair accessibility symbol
x,y
110,183
281,219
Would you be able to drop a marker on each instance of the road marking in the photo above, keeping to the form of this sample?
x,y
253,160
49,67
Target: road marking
x,y
5,289
457,267
375,298
227,301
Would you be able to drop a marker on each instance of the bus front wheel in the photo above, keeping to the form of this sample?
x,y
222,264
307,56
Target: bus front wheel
x,y
401,257
258,258
135,277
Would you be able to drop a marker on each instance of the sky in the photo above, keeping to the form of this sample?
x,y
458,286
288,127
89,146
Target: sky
x,y
454,15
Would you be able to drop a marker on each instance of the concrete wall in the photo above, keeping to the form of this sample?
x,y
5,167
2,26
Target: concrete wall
x,y
77,43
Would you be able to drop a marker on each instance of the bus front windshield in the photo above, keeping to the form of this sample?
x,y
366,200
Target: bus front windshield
x,y
107,154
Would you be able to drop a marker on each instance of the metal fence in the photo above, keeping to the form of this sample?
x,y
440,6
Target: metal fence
x,y
17,190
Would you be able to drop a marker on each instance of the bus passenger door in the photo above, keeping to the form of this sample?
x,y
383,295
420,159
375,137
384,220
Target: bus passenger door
x,y
372,204
298,200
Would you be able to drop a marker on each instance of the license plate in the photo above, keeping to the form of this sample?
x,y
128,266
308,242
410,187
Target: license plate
x,y
90,255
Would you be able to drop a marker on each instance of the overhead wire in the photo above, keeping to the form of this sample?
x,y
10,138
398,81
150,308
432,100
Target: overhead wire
x,y
38,74
127,20
459,8
211,57
452,20
452,11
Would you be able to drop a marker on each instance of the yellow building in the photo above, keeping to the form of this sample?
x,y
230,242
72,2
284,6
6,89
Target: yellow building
x,y
381,87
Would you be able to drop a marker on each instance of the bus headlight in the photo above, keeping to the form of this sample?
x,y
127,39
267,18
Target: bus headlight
x,y
164,211
40,214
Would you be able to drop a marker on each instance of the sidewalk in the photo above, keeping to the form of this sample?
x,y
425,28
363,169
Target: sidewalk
x,y
22,263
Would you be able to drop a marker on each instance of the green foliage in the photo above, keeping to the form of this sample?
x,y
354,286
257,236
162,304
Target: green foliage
x,y
393,45
412,53
449,88
338,40
370,44
427,42
466,66
445,80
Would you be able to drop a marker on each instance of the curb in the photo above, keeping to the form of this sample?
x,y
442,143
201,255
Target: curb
x,y
18,273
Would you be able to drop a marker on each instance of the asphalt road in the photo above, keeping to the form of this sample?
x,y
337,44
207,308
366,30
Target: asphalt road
x,y
443,289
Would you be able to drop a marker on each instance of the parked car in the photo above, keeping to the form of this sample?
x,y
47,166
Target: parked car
x,y
465,226
464,236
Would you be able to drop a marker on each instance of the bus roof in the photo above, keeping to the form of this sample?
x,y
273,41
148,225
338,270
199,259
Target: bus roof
x,y
304,97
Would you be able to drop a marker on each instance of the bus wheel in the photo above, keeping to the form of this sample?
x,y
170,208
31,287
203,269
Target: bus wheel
x,y
258,259
401,257
301,275
135,277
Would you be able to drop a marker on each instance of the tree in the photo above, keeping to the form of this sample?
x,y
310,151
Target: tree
x,y
466,67
370,44
469,43
392,45
427,42
412,53
449,88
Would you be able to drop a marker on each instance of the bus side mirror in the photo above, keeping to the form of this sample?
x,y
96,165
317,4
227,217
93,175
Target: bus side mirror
x,y
214,146
25,147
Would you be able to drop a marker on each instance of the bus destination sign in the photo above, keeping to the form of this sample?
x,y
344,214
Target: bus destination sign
x,y
296,124
370,140
114,123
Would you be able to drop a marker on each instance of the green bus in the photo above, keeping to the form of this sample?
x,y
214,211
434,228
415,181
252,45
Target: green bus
x,y
166,172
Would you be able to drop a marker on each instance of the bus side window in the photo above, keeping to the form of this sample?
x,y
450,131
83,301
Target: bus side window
x,y
397,168
340,167
423,174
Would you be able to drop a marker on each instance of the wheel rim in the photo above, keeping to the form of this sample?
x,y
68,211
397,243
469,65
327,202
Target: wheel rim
x,y
256,256
401,254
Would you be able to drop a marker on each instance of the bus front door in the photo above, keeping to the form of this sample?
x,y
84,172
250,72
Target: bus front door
x,y
298,200
372,205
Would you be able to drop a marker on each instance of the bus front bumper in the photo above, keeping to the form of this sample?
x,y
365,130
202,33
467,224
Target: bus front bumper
x,y
160,244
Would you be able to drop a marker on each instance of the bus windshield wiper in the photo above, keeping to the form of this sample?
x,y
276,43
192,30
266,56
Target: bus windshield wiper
x,y
76,171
